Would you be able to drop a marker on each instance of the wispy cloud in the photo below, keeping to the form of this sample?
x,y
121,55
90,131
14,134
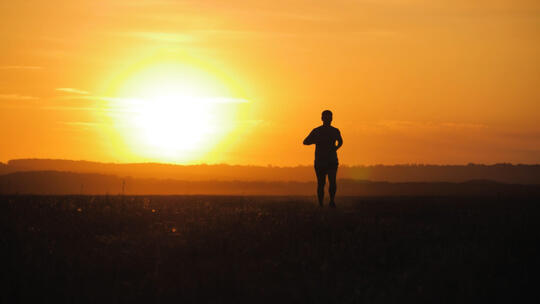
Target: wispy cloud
x,y
17,97
72,108
72,90
161,36
81,126
84,124
223,100
144,3
417,127
461,125
20,67
122,105
404,124
194,99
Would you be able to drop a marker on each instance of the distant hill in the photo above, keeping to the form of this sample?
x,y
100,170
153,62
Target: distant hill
x,y
52,182
504,173
4,168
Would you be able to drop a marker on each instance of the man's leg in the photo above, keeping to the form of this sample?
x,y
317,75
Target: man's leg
x,y
321,181
332,187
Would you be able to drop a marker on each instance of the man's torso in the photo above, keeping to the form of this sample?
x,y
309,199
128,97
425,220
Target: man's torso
x,y
325,145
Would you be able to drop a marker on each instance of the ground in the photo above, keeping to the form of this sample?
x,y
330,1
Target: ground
x,y
219,249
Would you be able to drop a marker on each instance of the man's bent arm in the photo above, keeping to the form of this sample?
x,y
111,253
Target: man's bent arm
x,y
309,139
339,142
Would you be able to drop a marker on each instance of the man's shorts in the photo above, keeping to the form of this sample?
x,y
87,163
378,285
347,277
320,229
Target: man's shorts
x,y
326,166
323,169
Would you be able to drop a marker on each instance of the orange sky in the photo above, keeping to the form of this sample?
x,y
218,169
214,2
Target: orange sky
x,y
409,81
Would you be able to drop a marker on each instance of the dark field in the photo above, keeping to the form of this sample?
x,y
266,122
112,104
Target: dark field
x,y
193,249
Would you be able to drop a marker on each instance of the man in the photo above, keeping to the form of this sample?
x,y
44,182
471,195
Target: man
x,y
326,161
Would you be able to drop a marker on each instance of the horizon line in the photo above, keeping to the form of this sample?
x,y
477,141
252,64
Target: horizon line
x,y
270,165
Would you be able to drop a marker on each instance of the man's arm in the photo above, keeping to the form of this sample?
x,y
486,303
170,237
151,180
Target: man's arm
x,y
310,139
339,140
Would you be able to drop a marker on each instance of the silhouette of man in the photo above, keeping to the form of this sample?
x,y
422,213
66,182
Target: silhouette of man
x,y
326,161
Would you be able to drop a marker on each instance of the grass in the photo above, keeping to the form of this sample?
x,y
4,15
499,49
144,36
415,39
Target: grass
x,y
218,249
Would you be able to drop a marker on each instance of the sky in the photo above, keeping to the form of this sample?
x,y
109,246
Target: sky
x,y
243,82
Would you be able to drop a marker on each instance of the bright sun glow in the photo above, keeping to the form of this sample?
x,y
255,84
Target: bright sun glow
x,y
173,112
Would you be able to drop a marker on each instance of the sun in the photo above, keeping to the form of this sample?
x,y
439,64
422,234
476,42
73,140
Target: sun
x,y
173,112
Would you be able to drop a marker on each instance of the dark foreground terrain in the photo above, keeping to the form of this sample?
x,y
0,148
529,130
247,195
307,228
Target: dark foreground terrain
x,y
195,249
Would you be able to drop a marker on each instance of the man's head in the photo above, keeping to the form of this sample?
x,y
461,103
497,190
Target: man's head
x,y
326,117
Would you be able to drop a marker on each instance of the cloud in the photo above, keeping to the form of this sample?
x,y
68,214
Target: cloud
x,y
71,108
195,99
417,127
404,124
143,3
455,125
20,67
124,105
17,97
84,124
72,90
223,100
161,36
